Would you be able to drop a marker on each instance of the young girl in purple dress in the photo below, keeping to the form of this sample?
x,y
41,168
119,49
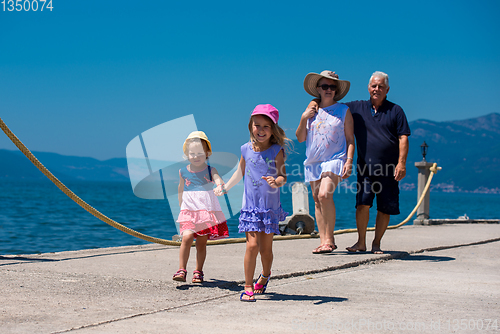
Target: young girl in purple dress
x,y
262,164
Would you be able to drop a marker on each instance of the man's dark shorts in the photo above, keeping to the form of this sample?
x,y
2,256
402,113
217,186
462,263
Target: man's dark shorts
x,y
386,189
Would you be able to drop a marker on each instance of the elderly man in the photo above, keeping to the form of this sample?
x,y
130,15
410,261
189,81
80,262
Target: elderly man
x,y
381,130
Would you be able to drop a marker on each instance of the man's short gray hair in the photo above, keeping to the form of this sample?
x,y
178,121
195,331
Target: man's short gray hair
x,y
378,74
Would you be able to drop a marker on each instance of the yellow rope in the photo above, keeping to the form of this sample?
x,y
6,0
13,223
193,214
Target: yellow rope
x,y
145,237
74,197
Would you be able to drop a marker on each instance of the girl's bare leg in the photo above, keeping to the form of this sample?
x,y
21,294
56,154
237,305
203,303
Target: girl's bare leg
x,y
201,251
266,256
187,242
250,260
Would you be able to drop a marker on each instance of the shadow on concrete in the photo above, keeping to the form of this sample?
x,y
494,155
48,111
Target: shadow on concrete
x,y
318,299
392,253
22,259
77,257
213,283
427,258
396,255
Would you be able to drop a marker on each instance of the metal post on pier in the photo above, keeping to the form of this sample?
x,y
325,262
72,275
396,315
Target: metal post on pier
x,y
423,175
300,222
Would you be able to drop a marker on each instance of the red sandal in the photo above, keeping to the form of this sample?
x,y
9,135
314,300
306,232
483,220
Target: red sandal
x,y
180,275
197,276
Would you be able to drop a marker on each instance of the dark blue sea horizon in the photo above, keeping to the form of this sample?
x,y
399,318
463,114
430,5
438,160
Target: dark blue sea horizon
x,y
36,217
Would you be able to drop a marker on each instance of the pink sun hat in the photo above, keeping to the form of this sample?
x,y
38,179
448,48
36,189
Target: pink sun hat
x,y
268,110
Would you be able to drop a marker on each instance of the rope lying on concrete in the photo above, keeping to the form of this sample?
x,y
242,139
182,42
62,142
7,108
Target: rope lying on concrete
x,y
145,237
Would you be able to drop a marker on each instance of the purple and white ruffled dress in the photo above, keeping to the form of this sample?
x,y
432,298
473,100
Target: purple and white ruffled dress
x,y
261,210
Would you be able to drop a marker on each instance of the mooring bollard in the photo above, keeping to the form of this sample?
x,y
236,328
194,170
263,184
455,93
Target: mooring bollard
x,y
423,175
300,222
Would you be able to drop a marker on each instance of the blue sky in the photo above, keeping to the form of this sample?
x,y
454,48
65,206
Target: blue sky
x,y
88,77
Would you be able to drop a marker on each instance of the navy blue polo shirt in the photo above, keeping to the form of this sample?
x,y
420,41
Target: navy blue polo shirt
x,y
377,136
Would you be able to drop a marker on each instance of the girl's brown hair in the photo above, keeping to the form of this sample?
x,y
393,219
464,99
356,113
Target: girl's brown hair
x,y
278,135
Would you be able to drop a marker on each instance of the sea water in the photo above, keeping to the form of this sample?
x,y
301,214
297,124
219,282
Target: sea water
x,y
36,217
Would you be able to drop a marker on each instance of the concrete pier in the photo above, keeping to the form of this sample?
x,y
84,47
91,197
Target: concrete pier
x,y
432,279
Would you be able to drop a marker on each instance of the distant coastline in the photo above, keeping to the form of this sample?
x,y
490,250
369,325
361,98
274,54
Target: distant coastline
x,y
407,187
451,188
437,187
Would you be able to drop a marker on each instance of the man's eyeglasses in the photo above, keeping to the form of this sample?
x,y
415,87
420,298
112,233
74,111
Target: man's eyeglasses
x,y
325,87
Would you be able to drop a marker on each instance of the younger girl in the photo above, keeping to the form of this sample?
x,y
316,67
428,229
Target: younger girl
x,y
201,216
262,163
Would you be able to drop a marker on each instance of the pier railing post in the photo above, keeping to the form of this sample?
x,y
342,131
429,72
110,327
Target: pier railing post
x,y
423,175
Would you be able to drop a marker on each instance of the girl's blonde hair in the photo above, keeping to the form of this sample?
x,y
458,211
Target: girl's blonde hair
x,y
278,135
196,140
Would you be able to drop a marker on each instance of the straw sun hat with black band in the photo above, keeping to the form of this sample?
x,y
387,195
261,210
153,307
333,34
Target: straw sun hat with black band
x,y
311,82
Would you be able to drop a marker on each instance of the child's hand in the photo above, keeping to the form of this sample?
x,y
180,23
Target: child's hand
x,y
219,191
271,181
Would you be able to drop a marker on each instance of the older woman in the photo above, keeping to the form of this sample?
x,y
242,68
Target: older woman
x,y
329,136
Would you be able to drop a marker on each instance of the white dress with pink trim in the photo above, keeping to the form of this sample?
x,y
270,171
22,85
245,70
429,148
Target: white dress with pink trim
x,y
200,209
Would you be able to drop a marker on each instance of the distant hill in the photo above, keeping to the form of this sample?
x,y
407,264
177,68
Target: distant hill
x,y
14,165
468,150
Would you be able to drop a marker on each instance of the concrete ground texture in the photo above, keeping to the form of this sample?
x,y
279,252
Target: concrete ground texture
x,y
431,279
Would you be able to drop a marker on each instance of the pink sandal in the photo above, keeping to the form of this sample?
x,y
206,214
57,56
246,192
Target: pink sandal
x,y
197,276
249,294
180,275
258,286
